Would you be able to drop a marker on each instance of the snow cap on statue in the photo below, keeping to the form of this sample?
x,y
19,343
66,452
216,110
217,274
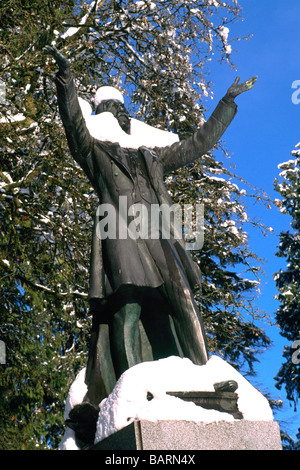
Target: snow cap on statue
x,y
108,93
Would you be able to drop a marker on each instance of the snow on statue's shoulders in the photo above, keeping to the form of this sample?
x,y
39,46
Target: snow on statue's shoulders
x,y
105,127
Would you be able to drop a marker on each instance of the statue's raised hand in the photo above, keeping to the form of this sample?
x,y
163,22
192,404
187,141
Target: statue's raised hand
x,y
237,88
61,61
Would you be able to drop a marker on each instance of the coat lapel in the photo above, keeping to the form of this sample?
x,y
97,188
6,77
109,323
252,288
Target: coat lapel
x,y
152,165
119,155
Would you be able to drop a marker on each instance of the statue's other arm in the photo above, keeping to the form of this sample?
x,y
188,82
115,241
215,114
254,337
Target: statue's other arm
x,y
189,150
78,136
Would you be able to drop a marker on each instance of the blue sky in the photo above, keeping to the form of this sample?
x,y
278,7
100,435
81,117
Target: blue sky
x,y
264,132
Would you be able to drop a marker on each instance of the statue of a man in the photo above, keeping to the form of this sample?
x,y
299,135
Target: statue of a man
x,y
141,290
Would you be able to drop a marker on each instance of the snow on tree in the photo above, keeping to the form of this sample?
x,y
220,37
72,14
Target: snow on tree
x,y
288,279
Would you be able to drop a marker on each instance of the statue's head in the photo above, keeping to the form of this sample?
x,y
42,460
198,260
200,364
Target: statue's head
x,y
109,99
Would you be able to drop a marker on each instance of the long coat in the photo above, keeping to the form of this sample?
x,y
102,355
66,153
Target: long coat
x,y
138,175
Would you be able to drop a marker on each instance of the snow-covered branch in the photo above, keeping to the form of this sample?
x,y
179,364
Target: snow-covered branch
x,y
40,287
73,29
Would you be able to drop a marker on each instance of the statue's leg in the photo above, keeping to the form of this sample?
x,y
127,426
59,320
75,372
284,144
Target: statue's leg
x,y
125,338
100,376
155,318
187,322
183,308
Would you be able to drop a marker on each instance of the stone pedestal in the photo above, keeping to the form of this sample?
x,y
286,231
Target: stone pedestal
x,y
187,435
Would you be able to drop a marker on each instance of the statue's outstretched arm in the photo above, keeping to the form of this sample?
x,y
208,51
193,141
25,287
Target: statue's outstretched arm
x,y
208,135
237,88
61,61
78,136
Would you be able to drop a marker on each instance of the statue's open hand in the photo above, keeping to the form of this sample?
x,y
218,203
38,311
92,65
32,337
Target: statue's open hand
x,y
61,61
238,88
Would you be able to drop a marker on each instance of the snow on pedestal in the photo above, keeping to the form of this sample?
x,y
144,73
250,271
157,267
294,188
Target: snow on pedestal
x,y
75,396
140,394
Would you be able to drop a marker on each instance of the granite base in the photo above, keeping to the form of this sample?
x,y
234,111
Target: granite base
x,y
187,435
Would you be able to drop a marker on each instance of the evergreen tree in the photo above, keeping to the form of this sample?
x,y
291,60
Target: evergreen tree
x,y
157,53
288,280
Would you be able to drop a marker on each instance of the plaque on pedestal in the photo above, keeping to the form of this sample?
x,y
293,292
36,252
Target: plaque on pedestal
x,y
220,401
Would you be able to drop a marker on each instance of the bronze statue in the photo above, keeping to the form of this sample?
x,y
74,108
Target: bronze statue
x,y
141,290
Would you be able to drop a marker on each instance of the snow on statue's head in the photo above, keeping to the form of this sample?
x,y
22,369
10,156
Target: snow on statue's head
x,y
105,93
109,99
111,123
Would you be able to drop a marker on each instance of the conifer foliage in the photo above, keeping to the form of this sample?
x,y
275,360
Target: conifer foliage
x,y
288,279
157,53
